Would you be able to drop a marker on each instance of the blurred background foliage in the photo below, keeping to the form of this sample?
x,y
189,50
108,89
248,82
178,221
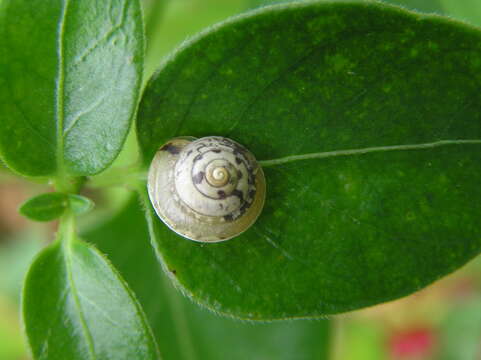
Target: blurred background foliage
x,y
441,322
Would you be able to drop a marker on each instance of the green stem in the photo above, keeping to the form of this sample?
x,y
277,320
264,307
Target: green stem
x,y
323,155
129,176
68,185
66,229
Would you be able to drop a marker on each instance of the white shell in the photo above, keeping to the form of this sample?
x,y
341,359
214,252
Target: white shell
x,y
209,190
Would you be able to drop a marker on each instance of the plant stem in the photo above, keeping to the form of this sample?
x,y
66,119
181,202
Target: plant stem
x,y
66,229
129,176
68,185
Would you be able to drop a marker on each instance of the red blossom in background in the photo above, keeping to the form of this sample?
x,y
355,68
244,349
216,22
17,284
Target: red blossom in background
x,y
413,343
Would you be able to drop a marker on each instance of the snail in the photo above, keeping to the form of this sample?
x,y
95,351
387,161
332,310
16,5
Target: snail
x,y
208,190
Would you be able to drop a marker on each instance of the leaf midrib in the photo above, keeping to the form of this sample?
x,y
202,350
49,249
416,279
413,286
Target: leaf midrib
x,y
347,152
67,243
60,92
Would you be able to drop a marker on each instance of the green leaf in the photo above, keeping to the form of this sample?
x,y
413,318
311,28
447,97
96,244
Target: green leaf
x,y
50,206
184,330
76,306
70,74
45,207
80,204
387,104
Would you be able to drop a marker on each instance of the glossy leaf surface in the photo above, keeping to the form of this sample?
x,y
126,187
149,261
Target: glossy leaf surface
x,y
184,330
70,73
396,211
76,306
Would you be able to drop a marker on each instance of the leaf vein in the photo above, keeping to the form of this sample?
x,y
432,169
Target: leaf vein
x,y
60,91
78,115
104,314
75,294
349,152
98,41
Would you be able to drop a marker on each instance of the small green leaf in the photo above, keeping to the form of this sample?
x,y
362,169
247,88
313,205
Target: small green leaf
x,y
185,331
76,306
80,204
45,207
70,74
50,206
368,120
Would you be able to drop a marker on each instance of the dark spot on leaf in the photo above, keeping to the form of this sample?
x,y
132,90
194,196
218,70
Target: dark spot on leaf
x,y
228,217
239,174
238,160
173,271
221,194
216,150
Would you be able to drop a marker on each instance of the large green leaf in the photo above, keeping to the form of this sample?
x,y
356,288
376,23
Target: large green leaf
x,y
76,306
70,73
392,97
185,331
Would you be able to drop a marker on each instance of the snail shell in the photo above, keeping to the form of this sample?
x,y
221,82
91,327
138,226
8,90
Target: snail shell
x,y
209,189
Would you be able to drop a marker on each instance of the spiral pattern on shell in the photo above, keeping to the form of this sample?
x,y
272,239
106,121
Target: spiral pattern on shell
x,y
210,189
